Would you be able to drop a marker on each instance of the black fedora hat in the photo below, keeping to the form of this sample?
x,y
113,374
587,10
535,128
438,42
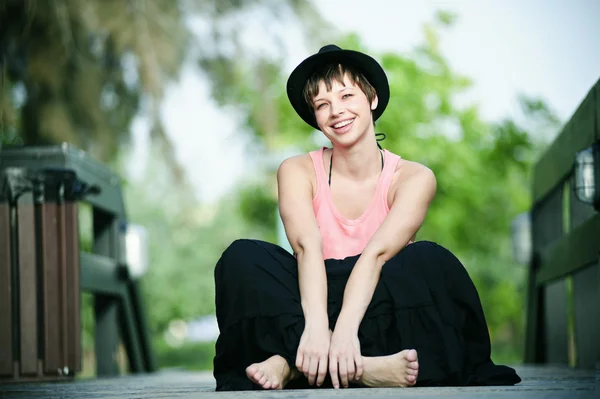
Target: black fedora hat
x,y
370,68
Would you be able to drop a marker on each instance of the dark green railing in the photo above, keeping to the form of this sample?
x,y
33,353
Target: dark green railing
x,y
44,269
563,314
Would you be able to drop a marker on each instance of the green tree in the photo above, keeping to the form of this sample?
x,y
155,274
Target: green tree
x,y
79,71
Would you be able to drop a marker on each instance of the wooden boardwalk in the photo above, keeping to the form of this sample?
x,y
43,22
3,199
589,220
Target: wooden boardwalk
x,y
538,382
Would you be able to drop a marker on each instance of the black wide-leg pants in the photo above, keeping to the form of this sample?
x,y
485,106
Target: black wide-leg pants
x,y
425,300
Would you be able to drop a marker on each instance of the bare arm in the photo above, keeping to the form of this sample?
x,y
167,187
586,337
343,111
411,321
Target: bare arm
x,y
295,207
413,192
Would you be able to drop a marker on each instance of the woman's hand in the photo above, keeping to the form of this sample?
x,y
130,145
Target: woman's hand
x,y
345,359
313,353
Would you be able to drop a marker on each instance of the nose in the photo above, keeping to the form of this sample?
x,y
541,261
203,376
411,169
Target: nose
x,y
336,108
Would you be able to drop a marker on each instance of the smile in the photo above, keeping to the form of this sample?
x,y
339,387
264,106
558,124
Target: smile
x,y
343,123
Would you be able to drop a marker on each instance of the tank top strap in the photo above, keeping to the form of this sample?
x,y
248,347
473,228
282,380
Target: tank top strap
x,y
389,168
317,159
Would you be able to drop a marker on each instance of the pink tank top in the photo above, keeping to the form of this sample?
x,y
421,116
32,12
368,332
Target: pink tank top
x,y
344,237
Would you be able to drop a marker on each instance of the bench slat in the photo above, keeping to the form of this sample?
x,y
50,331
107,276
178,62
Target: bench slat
x,y
555,320
586,303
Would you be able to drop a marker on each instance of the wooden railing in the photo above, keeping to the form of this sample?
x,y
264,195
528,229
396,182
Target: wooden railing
x,y
563,313
43,270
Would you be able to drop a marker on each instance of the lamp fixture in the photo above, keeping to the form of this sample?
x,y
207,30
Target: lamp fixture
x,y
586,175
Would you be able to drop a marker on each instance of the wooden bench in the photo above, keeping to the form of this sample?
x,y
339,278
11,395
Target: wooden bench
x,y
563,312
43,270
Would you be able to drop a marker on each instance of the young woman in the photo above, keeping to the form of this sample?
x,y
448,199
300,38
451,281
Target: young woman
x,y
360,303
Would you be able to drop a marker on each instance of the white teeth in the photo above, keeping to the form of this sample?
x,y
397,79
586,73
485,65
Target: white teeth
x,y
342,124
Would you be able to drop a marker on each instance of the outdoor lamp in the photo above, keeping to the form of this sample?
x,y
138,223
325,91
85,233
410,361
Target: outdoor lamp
x,y
136,250
586,176
521,238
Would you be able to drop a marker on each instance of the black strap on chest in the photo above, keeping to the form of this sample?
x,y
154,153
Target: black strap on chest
x,y
331,164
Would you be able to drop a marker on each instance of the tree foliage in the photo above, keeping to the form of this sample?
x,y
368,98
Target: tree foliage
x,y
79,71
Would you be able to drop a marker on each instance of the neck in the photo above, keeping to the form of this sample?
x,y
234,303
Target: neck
x,y
360,161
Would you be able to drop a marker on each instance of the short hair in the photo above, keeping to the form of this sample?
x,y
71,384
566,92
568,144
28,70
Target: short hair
x,y
336,71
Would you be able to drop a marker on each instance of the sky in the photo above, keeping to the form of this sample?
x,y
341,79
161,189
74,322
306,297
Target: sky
x,y
541,48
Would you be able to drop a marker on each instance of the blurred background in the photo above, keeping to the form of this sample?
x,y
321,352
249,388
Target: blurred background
x,y
186,100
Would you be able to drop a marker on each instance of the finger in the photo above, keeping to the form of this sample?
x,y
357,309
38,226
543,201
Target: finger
x,y
306,366
333,372
359,367
299,360
312,370
350,368
343,371
322,370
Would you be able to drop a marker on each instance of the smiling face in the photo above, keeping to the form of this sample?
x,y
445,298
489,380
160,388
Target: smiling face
x,y
343,101
343,111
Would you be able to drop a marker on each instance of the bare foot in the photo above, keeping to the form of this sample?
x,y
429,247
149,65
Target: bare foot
x,y
273,373
398,370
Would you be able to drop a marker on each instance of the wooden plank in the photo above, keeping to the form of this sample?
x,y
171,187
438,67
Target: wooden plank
x,y
62,273
142,325
534,327
547,227
88,170
106,307
28,319
6,314
52,314
99,274
578,133
555,322
106,335
539,382
586,301
72,288
580,212
547,221
130,333
573,252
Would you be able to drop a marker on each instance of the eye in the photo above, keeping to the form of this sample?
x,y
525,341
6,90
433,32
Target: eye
x,y
319,106
346,95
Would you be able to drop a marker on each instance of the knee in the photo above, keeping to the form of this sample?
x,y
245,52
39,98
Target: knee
x,y
416,257
418,250
235,257
238,248
425,249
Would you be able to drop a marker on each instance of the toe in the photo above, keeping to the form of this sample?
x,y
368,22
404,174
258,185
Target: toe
x,y
411,380
262,381
411,355
413,365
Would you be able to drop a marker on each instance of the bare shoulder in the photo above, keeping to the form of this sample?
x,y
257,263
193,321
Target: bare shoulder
x,y
295,166
296,163
297,169
410,175
410,169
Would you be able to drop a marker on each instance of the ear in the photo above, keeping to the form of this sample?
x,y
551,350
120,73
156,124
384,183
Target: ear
x,y
374,103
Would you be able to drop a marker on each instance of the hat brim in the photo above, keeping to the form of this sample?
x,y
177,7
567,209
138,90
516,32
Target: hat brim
x,y
370,68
